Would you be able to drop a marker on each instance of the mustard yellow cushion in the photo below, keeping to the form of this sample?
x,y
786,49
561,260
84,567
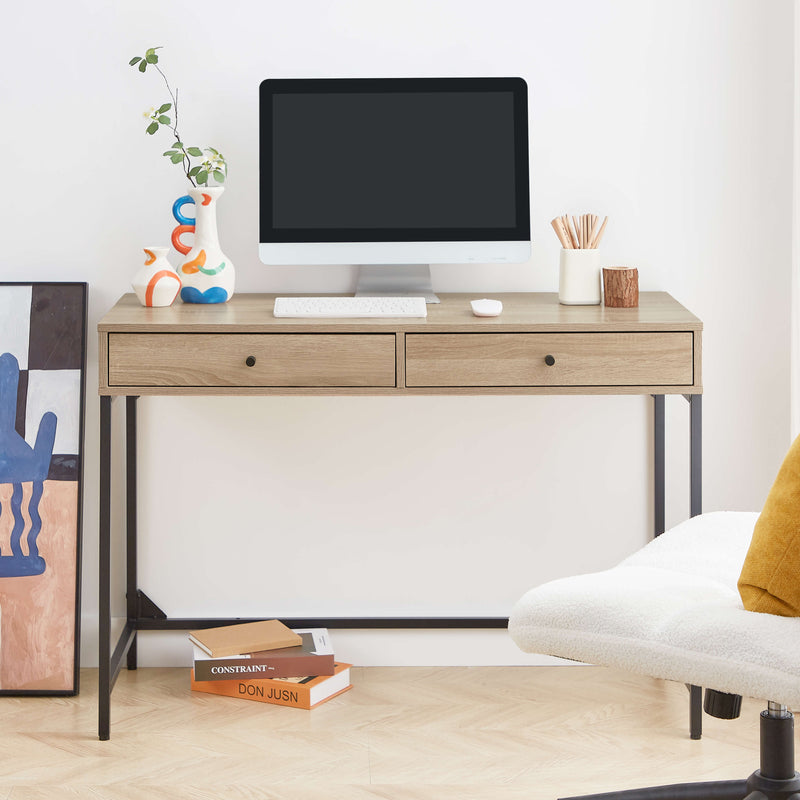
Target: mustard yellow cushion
x,y
770,579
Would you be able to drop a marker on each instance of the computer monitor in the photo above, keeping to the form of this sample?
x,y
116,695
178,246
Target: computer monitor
x,y
394,174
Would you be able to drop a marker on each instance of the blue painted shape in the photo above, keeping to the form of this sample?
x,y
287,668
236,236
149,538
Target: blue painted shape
x,y
18,460
18,565
19,521
13,567
216,294
20,463
176,210
36,520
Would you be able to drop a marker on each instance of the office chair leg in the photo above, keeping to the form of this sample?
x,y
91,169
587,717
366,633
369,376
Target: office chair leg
x,y
713,790
777,779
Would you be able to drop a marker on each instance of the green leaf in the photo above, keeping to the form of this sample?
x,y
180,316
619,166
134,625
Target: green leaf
x,y
164,119
202,177
219,176
177,158
165,107
142,65
177,144
194,170
194,151
212,150
152,128
134,60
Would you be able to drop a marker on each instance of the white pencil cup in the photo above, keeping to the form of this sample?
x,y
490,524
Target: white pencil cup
x,y
579,277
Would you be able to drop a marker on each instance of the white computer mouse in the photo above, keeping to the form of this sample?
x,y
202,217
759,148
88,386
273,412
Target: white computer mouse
x,y
486,307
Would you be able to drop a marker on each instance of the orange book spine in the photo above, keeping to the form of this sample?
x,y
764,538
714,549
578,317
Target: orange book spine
x,y
297,696
276,692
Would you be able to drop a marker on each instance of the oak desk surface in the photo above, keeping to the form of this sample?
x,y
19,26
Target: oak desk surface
x,y
202,349
522,311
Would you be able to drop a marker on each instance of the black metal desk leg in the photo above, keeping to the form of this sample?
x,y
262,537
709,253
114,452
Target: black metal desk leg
x,y
695,712
696,454
104,638
695,508
131,580
659,463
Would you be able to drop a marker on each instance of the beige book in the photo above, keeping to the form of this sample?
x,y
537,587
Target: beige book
x,y
247,637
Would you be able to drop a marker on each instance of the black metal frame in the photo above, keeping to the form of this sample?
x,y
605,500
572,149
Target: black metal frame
x,y
695,504
143,614
76,664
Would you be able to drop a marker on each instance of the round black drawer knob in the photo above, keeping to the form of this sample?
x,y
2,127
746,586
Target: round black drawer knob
x,y
250,361
549,360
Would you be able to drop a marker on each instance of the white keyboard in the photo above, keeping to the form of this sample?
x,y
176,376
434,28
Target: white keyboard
x,y
350,307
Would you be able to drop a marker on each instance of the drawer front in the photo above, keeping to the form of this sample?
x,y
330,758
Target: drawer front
x,y
578,359
280,359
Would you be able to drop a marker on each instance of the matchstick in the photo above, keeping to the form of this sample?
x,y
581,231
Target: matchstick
x,y
596,242
577,232
570,232
558,228
565,234
595,229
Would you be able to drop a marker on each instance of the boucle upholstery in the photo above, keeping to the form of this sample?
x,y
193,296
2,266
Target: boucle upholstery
x,y
671,610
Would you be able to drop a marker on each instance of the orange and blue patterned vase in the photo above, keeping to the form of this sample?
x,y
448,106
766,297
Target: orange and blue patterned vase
x,y
156,283
206,273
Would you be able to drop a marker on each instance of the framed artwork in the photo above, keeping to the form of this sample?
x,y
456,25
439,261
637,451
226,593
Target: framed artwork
x,y
42,401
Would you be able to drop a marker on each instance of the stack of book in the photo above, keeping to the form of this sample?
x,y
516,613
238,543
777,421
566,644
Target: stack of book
x,y
262,661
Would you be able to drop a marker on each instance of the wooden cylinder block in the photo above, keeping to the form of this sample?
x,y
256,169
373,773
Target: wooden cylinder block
x,y
621,287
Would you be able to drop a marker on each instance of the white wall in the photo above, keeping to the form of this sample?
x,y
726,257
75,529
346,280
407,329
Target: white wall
x,y
674,118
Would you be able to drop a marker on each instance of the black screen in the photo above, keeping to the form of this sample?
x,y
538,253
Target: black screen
x,y
397,159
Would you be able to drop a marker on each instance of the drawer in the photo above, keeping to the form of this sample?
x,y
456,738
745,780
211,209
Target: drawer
x,y
520,359
279,359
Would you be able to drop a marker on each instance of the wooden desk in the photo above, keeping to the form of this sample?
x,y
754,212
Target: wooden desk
x,y
536,346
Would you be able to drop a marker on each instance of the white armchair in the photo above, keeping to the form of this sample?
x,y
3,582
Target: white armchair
x,y
672,610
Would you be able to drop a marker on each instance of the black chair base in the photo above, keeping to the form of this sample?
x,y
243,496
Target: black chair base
x,y
714,790
776,780
754,788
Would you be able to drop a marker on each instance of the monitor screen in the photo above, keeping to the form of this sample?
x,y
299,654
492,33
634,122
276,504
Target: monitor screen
x,y
375,164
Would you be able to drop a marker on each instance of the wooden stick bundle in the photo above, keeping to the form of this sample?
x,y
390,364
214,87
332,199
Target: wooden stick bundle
x,y
579,233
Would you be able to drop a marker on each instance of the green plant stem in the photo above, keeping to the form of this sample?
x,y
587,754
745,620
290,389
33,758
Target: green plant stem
x,y
187,164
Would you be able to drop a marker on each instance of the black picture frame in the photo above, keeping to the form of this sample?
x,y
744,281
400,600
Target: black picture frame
x,y
42,428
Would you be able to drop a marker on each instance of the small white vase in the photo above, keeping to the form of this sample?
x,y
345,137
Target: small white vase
x,y
206,272
156,283
579,277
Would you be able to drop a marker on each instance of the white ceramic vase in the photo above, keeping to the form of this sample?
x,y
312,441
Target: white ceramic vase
x,y
156,283
206,272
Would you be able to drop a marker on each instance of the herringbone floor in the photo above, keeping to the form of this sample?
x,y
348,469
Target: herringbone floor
x,y
478,733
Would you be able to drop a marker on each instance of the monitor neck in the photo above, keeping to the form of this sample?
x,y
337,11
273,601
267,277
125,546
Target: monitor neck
x,y
387,280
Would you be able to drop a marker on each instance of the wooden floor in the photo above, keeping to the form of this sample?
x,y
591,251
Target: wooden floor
x,y
477,733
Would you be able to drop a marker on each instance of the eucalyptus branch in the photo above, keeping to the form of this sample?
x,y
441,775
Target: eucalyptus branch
x,y
213,165
185,161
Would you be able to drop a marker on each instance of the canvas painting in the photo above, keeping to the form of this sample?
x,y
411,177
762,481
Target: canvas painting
x,y
42,398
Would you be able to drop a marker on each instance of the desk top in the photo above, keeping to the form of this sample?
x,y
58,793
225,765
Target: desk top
x,y
530,312
535,346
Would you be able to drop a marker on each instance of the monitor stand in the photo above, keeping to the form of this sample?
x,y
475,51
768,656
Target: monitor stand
x,y
390,280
